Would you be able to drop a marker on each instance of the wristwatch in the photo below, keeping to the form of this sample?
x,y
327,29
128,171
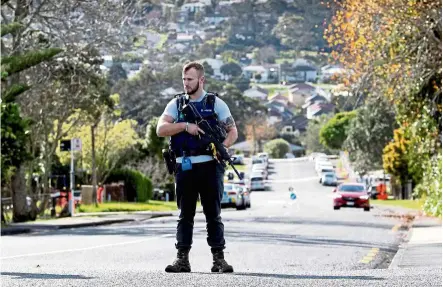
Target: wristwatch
x,y
187,124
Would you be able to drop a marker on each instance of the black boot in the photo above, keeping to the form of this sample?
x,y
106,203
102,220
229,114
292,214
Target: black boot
x,y
220,264
181,263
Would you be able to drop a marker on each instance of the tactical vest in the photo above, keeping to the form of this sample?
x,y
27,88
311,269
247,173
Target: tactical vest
x,y
185,142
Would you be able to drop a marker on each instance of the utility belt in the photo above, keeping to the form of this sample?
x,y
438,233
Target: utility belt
x,y
170,156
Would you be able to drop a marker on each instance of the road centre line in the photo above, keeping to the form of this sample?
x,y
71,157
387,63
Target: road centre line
x,y
87,248
370,256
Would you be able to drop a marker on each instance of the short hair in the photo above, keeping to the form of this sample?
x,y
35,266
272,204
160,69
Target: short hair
x,y
196,65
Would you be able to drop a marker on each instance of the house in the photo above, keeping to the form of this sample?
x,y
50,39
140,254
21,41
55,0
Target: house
x,y
298,93
280,98
278,111
169,93
316,98
318,109
246,147
256,73
193,7
256,93
300,71
216,65
294,126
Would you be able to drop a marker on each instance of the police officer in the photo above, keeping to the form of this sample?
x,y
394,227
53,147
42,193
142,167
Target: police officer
x,y
197,172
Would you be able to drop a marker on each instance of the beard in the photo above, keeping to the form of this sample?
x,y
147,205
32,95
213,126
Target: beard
x,y
194,90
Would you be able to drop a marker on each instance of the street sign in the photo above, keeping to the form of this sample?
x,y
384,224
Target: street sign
x,y
65,145
76,144
293,196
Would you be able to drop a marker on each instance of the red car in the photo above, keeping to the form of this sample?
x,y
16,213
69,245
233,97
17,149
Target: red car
x,y
351,195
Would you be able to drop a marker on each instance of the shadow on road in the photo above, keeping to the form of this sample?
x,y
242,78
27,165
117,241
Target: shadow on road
x,y
306,221
294,276
291,239
19,275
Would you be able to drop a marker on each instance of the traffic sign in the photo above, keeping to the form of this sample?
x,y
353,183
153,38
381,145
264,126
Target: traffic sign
x,y
293,196
76,144
65,145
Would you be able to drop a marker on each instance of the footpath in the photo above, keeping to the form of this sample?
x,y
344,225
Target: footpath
x,y
84,220
423,245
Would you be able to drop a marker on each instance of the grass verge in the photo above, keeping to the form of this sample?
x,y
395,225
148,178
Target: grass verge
x,y
412,204
152,205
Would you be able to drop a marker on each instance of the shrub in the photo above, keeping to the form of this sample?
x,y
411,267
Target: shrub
x,y
277,148
135,183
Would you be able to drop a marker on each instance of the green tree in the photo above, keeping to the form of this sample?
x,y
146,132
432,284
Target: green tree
x,y
154,143
334,133
15,129
369,132
113,142
277,148
231,69
311,138
116,73
208,69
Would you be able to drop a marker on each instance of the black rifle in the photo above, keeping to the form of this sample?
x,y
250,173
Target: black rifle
x,y
211,136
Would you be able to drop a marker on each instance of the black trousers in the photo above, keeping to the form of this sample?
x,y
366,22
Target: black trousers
x,y
205,179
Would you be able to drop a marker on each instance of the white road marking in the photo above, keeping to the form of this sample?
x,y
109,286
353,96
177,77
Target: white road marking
x,y
86,248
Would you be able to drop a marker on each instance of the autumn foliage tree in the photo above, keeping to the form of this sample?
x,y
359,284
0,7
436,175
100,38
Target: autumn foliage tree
x,y
393,48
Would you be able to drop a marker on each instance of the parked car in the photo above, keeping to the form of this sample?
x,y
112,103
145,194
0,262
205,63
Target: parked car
x,y
351,195
257,182
238,159
263,155
234,196
257,168
329,178
261,161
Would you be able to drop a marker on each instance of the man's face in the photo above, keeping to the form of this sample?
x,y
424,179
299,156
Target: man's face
x,y
192,81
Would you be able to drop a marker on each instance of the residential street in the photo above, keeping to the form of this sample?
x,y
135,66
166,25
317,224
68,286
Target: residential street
x,y
277,242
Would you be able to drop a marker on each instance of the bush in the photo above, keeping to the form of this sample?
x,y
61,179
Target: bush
x,y
277,148
136,184
431,186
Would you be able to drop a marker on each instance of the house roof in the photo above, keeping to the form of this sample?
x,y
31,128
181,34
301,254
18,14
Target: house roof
x,y
298,122
257,88
254,68
316,98
280,97
301,87
316,108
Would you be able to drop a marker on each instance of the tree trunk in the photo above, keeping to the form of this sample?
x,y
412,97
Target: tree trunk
x,y
18,184
94,168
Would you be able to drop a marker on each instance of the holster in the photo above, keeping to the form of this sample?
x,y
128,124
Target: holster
x,y
169,158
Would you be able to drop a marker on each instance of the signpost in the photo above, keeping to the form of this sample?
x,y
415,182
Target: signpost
x,y
71,145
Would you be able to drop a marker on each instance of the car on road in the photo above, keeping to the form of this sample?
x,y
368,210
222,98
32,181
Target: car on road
x,y
235,196
257,182
259,161
258,168
264,155
351,195
329,178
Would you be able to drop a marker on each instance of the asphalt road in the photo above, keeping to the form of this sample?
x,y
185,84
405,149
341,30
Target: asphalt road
x,y
277,242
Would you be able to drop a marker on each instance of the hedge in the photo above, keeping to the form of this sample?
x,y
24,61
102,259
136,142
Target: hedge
x,y
135,183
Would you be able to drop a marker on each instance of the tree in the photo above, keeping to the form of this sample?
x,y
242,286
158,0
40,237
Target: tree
x,y
258,130
265,55
369,132
116,73
334,133
242,83
277,148
14,129
231,69
114,140
154,143
395,157
291,32
311,138
208,69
